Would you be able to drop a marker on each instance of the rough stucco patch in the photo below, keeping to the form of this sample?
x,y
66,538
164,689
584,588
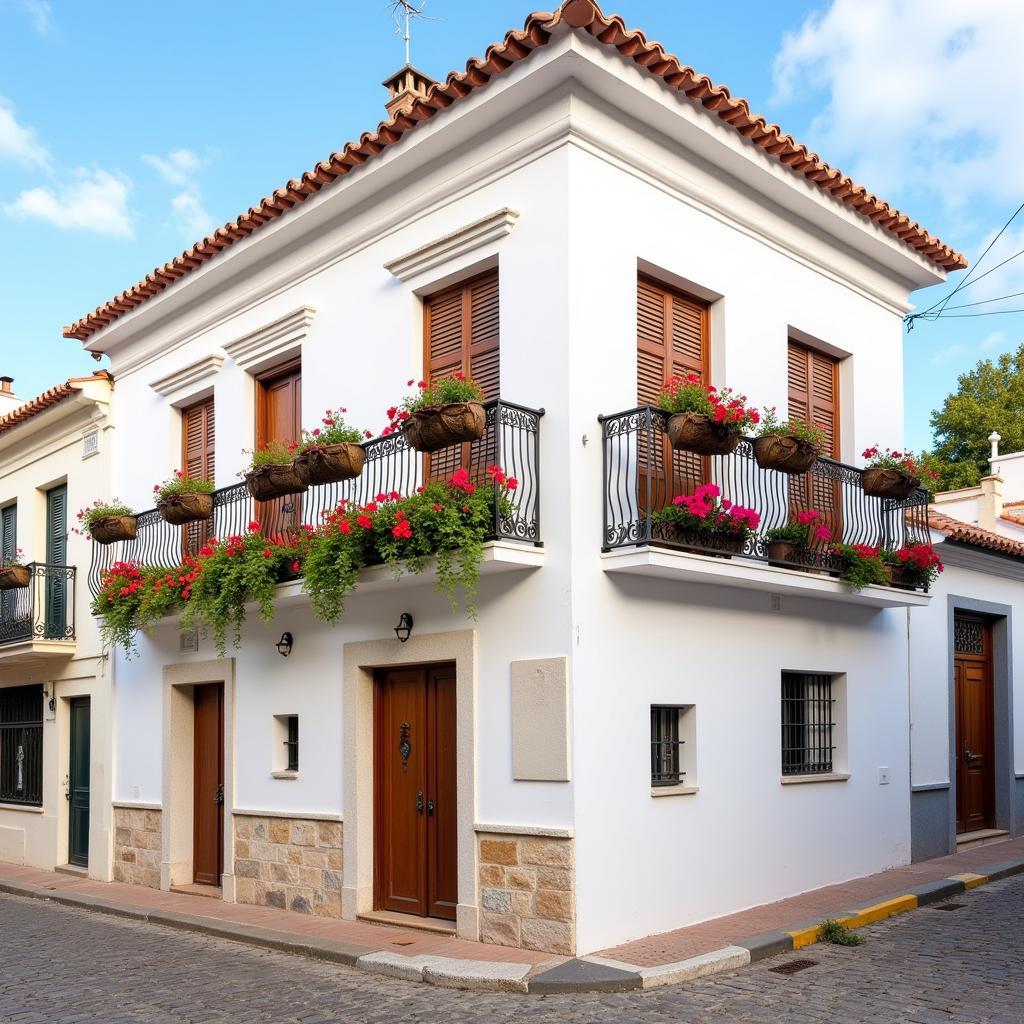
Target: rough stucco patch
x,y
540,720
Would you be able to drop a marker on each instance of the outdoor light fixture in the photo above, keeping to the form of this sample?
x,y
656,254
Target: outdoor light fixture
x,y
404,628
284,645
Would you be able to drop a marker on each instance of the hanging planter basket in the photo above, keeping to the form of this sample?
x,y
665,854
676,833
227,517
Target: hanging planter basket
x,y
185,508
15,577
695,432
275,481
438,426
786,453
905,578
329,463
111,529
884,482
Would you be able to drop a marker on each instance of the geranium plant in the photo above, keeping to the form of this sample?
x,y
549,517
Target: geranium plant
x,y
99,509
454,388
810,433
179,482
333,430
920,561
706,514
859,565
802,529
131,598
719,405
905,463
13,558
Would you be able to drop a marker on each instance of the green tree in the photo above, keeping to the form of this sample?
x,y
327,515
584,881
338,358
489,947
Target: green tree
x,y
989,397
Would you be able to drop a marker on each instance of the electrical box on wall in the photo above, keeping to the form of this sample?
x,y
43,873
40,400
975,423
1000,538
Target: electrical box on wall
x,y
90,443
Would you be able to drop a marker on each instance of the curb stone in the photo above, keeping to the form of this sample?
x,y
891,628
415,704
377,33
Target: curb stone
x,y
579,975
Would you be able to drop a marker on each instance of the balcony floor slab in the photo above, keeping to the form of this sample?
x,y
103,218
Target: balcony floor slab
x,y
688,567
26,653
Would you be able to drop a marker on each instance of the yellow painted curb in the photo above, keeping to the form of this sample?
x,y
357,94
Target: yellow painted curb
x,y
970,881
880,911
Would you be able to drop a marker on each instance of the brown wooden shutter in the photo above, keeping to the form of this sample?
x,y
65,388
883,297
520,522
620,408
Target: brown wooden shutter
x,y
279,418
197,440
671,340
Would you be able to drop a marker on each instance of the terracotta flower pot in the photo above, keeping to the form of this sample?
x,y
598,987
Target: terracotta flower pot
x,y
275,481
15,577
883,482
439,426
110,529
786,453
695,432
786,553
329,463
185,508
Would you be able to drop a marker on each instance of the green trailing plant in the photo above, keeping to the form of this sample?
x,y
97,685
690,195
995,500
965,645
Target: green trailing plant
x,y
803,529
179,482
228,574
275,453
132,598
99,509
860,565
456,387
810,433
334,430
333,557
839,934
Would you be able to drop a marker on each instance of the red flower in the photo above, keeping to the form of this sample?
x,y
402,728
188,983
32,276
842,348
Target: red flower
x,y
402,529
437,508
266,552
295,566
367,434
365,522
511,483
254,526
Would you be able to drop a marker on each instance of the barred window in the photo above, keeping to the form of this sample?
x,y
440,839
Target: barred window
x,y
666,746
808,743
21,745
292,743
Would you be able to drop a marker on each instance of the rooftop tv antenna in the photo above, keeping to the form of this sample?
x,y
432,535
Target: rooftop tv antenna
x,y
404,12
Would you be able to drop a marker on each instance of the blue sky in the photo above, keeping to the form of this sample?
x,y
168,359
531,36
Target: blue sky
x,y
127,131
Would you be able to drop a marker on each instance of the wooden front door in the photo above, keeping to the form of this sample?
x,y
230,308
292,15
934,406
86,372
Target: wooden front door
x,y
279,418
78,782
975,748
415,862
208,807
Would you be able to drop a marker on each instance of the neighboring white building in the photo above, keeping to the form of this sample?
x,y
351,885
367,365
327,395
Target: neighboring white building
x,y
56,766
612,217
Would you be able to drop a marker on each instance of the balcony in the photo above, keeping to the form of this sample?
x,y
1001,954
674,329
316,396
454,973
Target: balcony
x,y
643,474
37,622
511,440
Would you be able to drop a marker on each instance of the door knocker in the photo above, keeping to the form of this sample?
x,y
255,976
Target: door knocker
x,y
404,746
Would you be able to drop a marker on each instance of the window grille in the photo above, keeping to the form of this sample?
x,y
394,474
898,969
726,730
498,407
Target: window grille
x,y
21,745
807,725
292,743
666,746
968,636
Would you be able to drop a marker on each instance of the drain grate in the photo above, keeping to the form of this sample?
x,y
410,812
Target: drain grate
x,y
793,967
950,906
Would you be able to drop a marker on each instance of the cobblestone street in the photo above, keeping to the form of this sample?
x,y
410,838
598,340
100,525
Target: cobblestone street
x,y
928,966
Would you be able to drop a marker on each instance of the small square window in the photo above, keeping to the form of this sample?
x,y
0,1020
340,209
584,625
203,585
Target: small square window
x,y
285,757
666,746
808,724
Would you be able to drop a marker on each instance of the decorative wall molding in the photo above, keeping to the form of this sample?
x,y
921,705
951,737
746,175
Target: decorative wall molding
x,y
173,384
525,830
456,243
273,341
242,812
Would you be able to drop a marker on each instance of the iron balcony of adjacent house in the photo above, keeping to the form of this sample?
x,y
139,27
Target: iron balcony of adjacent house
x,y
44,610
642,474
511,440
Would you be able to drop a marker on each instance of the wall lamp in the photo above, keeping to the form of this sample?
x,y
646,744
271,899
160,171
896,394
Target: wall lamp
x,y
404,628
284,645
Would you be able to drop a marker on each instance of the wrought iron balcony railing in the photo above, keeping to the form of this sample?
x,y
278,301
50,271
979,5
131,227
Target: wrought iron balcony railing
x,y
44,610
643,474
511,440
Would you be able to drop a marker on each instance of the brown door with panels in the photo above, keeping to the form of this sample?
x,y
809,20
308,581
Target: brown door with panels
x,y
198,432
208,784
814,398
279,418
461,333
974,715
671,341
415,856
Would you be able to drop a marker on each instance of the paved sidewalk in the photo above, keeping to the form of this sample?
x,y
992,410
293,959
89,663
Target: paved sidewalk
x,y
712,947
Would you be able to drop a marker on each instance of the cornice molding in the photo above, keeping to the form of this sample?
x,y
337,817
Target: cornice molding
x,y
279,338
173,384
491,228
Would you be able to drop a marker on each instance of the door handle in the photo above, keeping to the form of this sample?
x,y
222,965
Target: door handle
x,y
969,756
430,808
419,802
218,797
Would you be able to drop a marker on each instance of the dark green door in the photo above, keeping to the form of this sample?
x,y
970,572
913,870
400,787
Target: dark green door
x,y
8,546
78,783
56,559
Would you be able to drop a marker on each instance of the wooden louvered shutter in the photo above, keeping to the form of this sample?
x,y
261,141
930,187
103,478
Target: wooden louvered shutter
x,y
814,398
8,546
671,340
279,418
461,333
197,440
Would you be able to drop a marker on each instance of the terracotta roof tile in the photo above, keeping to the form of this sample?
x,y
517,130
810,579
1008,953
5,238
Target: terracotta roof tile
x,y
975,536
1012,517
581,15
49,398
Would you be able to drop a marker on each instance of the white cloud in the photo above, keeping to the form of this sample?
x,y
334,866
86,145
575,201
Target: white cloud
x,y
41,14
948,354
995,342
17,141
180,168
90,200
923,95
